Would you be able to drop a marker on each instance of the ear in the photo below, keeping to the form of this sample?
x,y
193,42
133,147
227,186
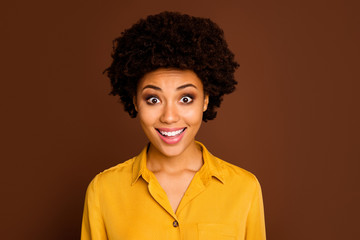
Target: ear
x,y
206,102
135,104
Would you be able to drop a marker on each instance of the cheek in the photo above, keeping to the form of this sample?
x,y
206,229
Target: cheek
x,y
147,115
143,114
193,115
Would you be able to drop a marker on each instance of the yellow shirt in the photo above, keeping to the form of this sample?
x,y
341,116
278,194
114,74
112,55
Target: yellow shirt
x,y
126,202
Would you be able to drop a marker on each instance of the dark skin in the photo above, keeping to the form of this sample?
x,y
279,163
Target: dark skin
x,y
172,102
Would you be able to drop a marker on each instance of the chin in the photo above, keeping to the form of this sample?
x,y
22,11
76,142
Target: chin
x,y
170,151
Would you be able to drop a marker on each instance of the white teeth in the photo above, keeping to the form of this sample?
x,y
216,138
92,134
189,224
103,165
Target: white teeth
x,y
171,134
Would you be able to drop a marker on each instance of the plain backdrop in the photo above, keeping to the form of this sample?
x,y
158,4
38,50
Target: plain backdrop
x,y
293,120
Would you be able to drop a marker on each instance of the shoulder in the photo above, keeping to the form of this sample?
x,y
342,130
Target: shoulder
x,y
235,174
119,173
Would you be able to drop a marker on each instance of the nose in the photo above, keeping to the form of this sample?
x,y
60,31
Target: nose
x,y
169,114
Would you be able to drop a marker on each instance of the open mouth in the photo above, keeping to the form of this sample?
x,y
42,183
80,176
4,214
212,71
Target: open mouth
x,y
166,133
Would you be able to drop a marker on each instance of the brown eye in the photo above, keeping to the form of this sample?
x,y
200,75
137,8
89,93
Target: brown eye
x,y
186,99
153,100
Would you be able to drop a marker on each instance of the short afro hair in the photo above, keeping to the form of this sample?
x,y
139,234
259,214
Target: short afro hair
x,y
173,40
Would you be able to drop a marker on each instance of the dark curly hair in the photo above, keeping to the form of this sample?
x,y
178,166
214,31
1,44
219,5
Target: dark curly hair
x,y
173,40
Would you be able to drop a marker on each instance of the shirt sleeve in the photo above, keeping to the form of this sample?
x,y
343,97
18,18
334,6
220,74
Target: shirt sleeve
x,y
92,222
255,224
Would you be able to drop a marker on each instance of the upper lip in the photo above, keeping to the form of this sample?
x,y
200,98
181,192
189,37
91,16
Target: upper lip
x,y
169,129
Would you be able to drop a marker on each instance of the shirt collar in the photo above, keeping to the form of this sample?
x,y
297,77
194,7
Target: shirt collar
x,y
211,167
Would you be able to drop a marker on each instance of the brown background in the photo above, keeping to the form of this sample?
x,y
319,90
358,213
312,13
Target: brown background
x,y
293,120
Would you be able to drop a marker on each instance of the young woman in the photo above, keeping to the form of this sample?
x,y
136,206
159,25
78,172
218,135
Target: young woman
x,y
172,70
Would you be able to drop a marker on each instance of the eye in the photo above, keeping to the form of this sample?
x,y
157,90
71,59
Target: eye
x,y
186,99
152,100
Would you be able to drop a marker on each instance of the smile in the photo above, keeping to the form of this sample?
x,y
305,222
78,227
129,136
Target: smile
x,y
171,136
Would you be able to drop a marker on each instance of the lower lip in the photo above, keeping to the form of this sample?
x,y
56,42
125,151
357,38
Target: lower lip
x,y
172,139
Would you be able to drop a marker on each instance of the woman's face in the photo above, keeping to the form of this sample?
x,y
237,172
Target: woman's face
x,y
170,104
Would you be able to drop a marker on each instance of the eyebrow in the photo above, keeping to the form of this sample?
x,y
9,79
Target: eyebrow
x,y
152,87
178,88
185,86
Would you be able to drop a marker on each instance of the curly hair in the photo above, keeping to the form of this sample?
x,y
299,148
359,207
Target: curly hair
x,y
172,40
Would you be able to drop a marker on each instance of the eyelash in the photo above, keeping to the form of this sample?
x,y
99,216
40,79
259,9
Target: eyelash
x,y
191,97
149,99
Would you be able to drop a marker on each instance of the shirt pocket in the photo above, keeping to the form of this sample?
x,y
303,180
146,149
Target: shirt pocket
x,y
216,231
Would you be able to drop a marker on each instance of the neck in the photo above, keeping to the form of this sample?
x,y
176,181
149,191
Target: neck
x,y
190,159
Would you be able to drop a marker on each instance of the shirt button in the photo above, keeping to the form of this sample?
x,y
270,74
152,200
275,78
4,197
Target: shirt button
x,y
175,224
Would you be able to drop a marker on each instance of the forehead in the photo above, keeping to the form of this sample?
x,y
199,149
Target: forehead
x,y
170,78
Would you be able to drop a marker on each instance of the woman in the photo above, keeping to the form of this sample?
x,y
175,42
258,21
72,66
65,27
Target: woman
x,y
172,70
